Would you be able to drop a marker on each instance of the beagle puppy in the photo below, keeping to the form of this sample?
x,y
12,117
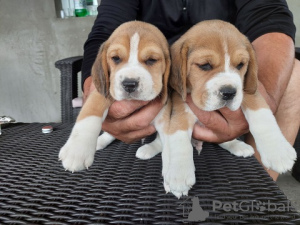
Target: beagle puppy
x,y
133,64
216,64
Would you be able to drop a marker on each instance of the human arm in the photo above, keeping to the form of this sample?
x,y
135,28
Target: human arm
x,y
274,72
269,26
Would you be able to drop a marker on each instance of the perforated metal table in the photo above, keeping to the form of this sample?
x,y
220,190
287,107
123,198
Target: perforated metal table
x,y
120,189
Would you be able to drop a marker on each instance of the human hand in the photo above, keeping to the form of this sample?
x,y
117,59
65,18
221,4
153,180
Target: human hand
x,y
130,121
218,126
88,88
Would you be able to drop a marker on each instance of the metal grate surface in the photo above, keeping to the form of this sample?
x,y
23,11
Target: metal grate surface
x,y
120,189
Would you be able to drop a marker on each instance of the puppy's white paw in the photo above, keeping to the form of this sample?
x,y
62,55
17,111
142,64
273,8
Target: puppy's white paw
x,y
147,151
150,150
104,140
78,153
198,145
238,148
279,155
180,178
275,151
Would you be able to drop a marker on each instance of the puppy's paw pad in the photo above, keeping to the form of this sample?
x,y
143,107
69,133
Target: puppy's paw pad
x,y
167,187
280,159
78,153
179,180
242,149
147,151
190,180
238,148
104,140
100,145
178,194
197,144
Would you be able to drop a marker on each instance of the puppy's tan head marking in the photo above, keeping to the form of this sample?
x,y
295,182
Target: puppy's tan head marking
x,y
134,63
215,63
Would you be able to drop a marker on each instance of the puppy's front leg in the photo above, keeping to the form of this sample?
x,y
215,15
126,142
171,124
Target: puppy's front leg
x,y
78,152
179,173
275,151
161,123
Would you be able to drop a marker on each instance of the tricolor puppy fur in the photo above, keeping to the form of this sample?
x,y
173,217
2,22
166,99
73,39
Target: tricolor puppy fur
x,y
216,64
133,64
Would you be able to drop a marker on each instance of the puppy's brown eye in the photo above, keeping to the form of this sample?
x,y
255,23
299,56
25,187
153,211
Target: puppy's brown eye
x,y
240,66
205,67
116,59
150,61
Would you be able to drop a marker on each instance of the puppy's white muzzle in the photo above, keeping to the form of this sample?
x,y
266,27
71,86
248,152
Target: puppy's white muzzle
x,y
134,83
224,90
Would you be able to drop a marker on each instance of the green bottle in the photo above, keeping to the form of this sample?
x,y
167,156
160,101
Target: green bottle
x,y
80,8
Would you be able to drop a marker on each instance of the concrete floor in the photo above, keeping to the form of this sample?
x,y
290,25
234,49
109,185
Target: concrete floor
x,y
291,189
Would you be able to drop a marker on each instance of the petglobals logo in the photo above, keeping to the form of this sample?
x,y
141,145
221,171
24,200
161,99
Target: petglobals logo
x,y
192,210
251,206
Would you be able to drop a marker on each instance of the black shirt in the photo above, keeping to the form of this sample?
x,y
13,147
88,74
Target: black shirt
x,y
174,17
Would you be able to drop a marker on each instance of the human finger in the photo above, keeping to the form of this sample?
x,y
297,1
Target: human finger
x,y
123,129
124,108
218,126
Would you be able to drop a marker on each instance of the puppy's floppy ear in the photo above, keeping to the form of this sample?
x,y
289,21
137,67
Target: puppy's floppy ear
x,y
250,79
166,75
100,72
179,55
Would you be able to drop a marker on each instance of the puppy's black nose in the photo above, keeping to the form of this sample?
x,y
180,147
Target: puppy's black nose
x,y
130,85
227,92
